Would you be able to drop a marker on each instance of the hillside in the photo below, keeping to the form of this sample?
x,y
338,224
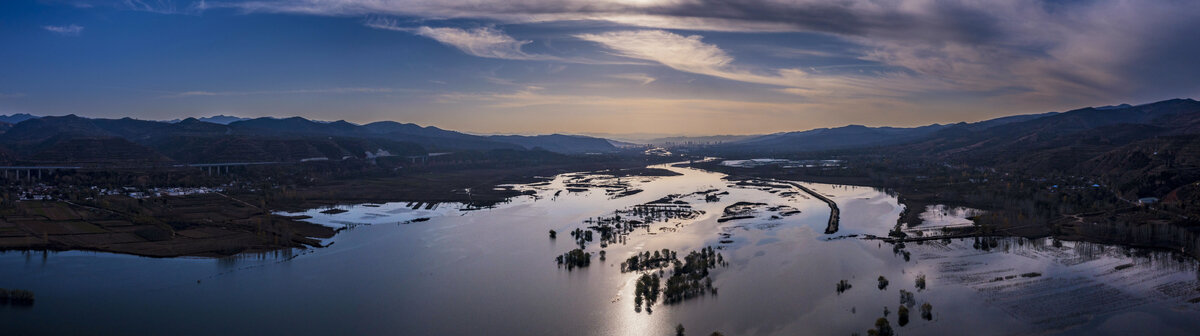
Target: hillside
x,y
1058,142
567,144
77,140
846,137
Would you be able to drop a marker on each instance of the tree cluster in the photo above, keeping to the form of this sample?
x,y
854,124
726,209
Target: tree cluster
x,y
646,292
574,258
690,278
649,261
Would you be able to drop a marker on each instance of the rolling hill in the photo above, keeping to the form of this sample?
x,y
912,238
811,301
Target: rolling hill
x,y
78,140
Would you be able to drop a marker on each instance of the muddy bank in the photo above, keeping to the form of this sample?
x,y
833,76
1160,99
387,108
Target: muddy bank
x,y
476,187
208,225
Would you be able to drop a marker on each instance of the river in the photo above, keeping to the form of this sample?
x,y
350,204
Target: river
x,y
492,271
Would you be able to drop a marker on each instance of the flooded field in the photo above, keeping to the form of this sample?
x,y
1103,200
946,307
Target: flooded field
x,y
440,269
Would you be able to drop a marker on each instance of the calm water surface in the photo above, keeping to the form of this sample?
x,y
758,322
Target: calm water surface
x,y
491,271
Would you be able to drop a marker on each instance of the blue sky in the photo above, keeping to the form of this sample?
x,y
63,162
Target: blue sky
x,y
597,66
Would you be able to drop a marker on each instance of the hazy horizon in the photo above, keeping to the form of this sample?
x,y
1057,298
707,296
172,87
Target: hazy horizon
x,y
628,136
671,67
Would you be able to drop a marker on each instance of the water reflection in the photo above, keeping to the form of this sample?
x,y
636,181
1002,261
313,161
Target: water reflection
x,y
491,271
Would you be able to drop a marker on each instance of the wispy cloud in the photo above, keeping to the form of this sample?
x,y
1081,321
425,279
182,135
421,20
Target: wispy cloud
x,y
636,77
481,42
167,6
360,90
691,54
68,30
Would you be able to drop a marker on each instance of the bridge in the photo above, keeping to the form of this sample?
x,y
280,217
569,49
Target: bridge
x,y
15,171
219,168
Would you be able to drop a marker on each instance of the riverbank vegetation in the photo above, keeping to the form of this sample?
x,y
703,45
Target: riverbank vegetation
x,y
690,277
646,292
576,258
18,297
647,261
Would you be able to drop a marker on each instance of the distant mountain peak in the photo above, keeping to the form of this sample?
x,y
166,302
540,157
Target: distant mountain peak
x,y
217,119
221,119
16,118
1114,107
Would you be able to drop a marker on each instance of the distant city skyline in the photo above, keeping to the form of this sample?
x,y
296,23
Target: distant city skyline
x,y
670,67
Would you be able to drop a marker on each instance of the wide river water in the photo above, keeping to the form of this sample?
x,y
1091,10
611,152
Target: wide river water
x,y
491,271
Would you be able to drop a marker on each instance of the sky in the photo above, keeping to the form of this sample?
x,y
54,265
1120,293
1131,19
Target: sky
x,y
685,67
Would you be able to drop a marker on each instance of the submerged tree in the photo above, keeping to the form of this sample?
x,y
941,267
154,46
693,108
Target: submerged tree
x,y
689,278
647,287
882,328
16,296
927,311
843,286
883,283
906,298
921,282
575,258
902,316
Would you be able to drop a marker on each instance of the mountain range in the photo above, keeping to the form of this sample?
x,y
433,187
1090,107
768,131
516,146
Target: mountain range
x,y
1099,140
1052,140
86,141
1149,149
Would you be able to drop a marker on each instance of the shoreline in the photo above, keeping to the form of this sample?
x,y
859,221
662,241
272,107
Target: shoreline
x,y
217,225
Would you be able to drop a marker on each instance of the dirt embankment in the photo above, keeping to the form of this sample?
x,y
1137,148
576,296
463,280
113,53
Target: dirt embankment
x,y
835,214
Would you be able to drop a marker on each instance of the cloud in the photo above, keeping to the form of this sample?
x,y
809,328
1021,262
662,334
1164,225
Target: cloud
x,y
69,30
481,42
684,53
166,6
1050,52
363,90
691,54
1081,49
636,77
11,95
